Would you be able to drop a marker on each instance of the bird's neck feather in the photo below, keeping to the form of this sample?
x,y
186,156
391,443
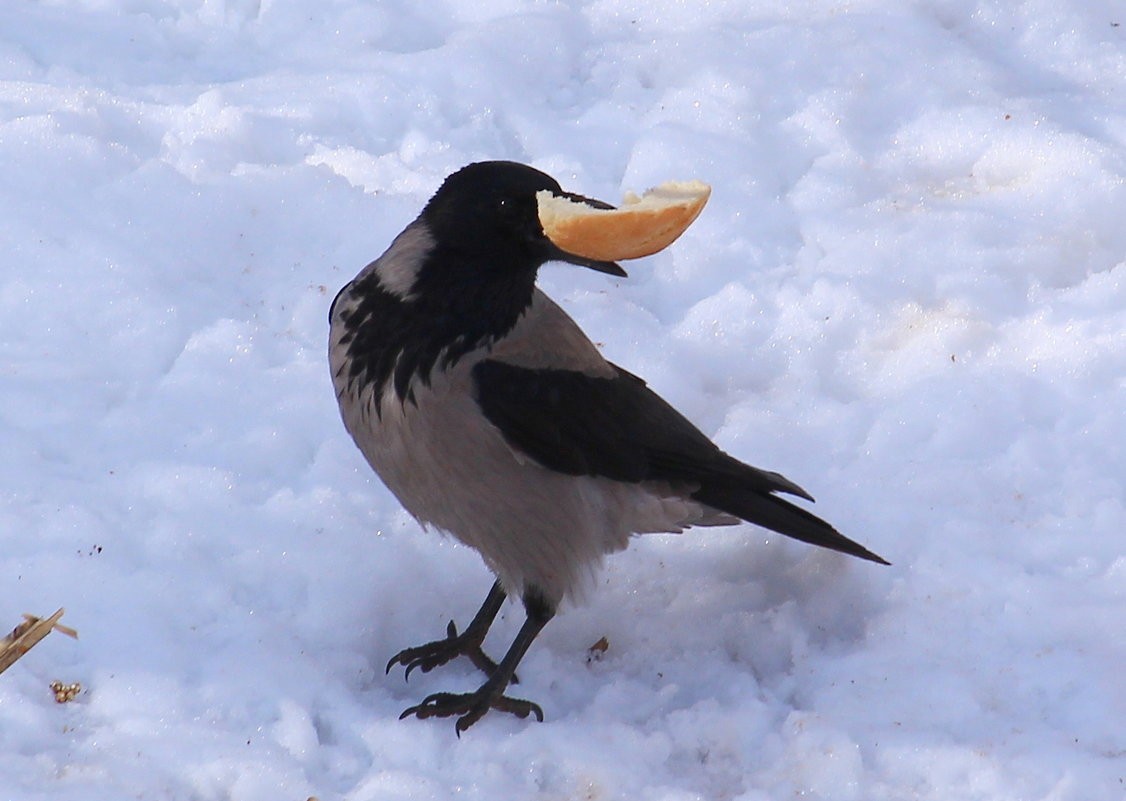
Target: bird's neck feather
x,y
447,314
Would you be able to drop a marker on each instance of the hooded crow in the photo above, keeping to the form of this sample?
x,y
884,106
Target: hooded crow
x,y
490,415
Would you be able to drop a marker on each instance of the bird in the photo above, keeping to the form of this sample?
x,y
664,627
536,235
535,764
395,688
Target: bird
x,y
491,416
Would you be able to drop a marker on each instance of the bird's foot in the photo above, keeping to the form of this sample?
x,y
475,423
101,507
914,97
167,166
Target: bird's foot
x,y
472,706
435,654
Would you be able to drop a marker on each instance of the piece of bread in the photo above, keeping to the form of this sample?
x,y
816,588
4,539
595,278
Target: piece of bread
x,y
642,225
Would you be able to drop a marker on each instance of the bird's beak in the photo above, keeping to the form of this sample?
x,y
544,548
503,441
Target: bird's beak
x,y
556,253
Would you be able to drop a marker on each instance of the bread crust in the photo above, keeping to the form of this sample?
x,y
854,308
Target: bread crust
x,y
641,227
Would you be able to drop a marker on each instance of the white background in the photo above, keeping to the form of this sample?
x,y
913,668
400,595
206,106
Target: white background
x,y
907,294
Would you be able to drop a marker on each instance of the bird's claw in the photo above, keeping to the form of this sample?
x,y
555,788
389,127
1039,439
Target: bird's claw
x,y
471,707
435,654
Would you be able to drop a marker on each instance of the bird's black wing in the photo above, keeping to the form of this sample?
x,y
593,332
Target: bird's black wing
x,y
618,428
613,427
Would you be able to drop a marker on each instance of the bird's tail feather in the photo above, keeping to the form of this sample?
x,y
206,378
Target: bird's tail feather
x,y
778,515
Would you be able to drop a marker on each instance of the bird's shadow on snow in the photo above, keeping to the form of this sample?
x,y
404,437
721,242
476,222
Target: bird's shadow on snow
x,y
709,615
677,620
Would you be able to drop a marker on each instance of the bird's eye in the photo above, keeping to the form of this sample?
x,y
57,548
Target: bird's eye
x,y
507,208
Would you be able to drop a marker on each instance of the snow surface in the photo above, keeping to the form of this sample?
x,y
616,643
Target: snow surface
x,y
908,293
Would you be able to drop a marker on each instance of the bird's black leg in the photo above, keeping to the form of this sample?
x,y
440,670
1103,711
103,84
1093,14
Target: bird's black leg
x,y
468,643
472,706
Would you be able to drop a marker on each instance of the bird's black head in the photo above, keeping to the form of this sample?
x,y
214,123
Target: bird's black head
x,y
485,218
461,275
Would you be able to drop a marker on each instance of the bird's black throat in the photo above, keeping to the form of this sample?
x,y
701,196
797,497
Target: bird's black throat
x,y
456,305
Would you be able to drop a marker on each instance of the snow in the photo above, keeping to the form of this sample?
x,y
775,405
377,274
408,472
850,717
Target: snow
x,y
907,293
